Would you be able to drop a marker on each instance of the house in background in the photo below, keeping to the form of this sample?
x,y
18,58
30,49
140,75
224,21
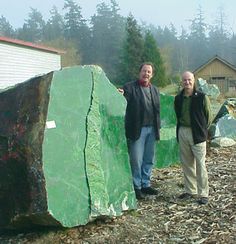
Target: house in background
x,y
220,72
20,61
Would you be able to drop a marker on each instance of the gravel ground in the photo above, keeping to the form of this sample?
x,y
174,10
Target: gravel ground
x,y
163,218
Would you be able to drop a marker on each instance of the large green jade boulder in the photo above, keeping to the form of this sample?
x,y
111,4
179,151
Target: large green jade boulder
x,y
167,151
63,154
224,123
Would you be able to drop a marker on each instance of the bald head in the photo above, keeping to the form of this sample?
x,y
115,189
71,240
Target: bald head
x,y
187,74
188,82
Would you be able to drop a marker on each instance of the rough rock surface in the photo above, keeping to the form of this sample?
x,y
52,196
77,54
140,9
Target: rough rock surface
x,y
162,219
63,153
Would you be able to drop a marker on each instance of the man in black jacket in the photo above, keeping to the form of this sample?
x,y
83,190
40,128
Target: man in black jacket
x,y
193,113
142,128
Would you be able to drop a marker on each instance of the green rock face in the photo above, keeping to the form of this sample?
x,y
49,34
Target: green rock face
x,y
211,90
64,145
167,152
224,123
106,150
63,152
67,161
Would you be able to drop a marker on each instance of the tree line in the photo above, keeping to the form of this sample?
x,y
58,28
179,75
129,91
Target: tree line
x,y
119,44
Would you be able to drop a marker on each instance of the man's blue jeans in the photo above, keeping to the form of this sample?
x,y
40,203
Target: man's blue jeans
x,y
141,153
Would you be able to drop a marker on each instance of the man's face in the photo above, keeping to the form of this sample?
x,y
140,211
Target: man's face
x,y
188,81
146,73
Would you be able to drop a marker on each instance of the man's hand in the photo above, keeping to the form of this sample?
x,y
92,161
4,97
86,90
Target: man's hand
x,y
121,90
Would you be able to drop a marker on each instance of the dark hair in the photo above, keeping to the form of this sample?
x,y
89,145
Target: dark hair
x,y
147,63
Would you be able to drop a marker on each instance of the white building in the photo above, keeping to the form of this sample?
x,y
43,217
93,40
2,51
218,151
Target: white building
x,y
20,60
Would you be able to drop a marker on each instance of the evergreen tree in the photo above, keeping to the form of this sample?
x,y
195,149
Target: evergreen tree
x,y
33,27
116,43
168,49
197,41
54,28
152,54
76,28
167,41
183,52
132,53
101,29
218,36
5,28
108,30
73,19
232,44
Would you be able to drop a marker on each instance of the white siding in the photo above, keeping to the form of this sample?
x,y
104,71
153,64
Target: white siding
x,y
18,64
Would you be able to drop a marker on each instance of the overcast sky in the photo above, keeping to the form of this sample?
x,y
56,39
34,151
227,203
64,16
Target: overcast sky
x,y
157,12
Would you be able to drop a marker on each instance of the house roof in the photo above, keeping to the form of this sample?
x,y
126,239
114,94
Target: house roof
x,y
30,45
216,57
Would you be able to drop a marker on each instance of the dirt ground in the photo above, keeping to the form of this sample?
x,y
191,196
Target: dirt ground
x,y
163,218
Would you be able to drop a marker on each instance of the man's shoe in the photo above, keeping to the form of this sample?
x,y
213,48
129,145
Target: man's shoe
x,y
203,200
185,196
139,195
149,190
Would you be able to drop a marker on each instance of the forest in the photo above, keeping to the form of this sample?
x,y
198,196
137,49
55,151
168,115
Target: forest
x,y
120,44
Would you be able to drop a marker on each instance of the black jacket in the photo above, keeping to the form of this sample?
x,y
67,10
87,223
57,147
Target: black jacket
x,y
198,117
135,110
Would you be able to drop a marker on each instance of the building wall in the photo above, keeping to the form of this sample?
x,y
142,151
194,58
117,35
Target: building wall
x,y
216,68
18,64
218,73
